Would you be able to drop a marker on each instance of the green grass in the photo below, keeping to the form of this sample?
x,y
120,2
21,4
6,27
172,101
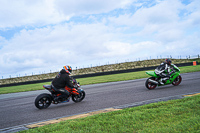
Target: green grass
x,y
173,116
93,80
22,88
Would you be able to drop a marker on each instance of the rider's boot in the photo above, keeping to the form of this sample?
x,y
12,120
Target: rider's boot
x,y
67,100
164,79
161,82
56,99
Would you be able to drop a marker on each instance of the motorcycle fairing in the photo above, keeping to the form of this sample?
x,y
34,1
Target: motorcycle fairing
x,y
172,78
73,90
152,73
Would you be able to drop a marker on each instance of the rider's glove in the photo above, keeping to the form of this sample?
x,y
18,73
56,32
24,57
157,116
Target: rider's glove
x,y
75,86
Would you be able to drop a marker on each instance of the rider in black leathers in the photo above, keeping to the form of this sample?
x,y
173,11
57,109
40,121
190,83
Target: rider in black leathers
x,y
61,80
164,70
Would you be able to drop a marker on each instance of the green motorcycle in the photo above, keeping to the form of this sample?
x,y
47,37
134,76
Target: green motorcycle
x,y
175,78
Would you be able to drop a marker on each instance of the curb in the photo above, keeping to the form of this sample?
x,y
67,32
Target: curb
x,y
83,115
70,118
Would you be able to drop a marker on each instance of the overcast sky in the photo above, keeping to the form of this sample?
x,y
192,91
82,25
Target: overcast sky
x,y
37,36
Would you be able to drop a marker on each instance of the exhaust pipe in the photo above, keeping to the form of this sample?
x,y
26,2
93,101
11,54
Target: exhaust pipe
x,y
153,81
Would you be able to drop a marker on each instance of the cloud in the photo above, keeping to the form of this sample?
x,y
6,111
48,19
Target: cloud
x,y
115,49
65,44
85,7
53,46
47,12
55,33
29,13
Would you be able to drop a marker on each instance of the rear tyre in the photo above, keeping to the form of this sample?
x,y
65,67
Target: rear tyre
x,y
150,85
43,101
80,97
177,80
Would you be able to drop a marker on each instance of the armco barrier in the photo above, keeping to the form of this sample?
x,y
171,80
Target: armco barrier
x,y
94,74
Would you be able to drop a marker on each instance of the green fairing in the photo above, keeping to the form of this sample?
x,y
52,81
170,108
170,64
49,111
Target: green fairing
x,y
173,76
152,73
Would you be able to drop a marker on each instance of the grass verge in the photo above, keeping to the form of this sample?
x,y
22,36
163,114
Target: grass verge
x,y
93,80
172,116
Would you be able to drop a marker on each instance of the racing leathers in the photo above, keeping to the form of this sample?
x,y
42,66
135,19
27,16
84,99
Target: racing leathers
x,y
163,71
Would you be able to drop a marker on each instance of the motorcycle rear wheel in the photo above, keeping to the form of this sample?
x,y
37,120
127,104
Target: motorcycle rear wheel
x,y
177,80
43,101
80,97
150,85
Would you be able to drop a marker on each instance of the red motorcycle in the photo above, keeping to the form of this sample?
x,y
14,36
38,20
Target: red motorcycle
x,y
44,100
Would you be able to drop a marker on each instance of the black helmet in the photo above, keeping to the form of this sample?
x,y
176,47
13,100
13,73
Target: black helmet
x,y
168,61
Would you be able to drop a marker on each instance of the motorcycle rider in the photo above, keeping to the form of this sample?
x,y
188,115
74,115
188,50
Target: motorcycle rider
x,y
61,80
164,70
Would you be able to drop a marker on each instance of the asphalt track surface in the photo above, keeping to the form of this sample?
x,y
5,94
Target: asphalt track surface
x,y
18,108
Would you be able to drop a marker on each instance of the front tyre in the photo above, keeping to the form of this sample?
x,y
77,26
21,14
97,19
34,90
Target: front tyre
x,y
177,80
43,101
150,85
80,97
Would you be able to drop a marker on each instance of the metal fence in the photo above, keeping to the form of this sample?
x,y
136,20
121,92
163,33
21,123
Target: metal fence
x,y
91,65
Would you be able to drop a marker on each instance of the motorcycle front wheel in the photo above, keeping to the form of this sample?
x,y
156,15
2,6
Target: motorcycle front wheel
x,y
177,80
43,101
80,97
150,85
